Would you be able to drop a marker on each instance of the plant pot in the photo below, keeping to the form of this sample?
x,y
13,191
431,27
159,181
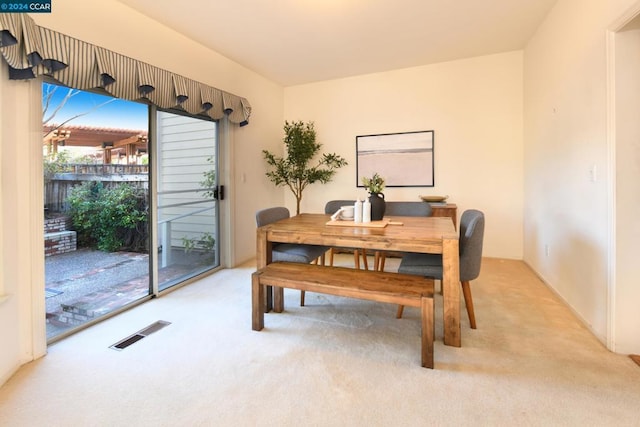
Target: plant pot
x,y
378,206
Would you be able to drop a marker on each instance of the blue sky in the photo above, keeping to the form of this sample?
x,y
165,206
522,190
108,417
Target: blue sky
x,y
116,114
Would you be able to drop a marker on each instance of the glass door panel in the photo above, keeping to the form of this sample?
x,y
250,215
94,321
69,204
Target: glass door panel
x,y
187,211
96,199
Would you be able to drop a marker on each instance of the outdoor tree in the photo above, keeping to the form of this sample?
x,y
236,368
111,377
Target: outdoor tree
x,y
294,170
52,106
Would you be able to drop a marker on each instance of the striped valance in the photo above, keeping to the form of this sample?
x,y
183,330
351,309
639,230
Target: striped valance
x,y
31,50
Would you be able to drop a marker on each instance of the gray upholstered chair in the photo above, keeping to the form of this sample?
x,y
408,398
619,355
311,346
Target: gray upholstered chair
x,y
407,209
400,209
332,207
290,252
470,246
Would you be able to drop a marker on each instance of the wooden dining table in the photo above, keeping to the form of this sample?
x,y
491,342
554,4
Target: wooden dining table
x,y
398,234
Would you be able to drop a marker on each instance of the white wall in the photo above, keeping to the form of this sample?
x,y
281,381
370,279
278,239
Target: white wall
x,y
565,122
473,105
111,25
21,227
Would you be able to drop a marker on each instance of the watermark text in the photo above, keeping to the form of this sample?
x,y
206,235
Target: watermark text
x,y
25,6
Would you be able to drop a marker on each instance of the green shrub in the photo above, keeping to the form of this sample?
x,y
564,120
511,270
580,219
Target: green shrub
x,y
206,242
110,219
54,163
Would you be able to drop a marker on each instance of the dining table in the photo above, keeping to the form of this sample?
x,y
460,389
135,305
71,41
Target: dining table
x,y
435,235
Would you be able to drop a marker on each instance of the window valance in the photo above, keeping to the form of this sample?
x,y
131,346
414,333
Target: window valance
x,y
31,50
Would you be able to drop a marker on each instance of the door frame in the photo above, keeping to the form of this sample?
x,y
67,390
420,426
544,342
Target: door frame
x,y
614,288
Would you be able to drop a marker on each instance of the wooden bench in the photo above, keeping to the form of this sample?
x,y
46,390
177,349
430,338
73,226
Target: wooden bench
x,y
402,289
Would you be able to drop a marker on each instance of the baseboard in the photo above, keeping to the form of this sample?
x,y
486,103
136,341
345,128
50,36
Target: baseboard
x,y
582,320
7,375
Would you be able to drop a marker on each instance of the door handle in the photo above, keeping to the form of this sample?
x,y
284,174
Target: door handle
x,y
218,193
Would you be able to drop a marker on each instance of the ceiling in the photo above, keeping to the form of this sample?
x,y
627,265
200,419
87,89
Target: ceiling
x,y
301,41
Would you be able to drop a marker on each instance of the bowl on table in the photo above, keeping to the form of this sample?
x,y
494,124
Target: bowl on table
x,y
434,199
347,212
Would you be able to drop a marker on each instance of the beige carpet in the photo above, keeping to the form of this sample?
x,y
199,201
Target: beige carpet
x,y
336,362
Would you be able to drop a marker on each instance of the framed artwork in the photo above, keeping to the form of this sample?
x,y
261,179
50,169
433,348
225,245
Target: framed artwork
x,y
402,159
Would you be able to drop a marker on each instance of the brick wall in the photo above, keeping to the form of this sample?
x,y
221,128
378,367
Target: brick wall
x,y
60,223
59,242
57,238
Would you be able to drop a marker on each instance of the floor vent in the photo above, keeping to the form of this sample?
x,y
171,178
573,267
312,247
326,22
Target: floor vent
x,y
154,327
132,339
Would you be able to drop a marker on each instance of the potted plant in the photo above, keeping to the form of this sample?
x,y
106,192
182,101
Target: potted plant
x,y
294,170
375,186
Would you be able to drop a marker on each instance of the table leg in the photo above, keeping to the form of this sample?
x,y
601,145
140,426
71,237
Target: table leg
x,y
263,257
451,292
257,302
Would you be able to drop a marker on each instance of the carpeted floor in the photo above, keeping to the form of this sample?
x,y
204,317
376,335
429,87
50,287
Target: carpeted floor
x,y
335,362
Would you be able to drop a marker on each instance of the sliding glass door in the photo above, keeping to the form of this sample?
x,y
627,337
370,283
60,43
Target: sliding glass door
x,y
187,193
118,188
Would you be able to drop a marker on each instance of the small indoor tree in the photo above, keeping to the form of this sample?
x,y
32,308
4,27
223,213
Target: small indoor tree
x,y
294,170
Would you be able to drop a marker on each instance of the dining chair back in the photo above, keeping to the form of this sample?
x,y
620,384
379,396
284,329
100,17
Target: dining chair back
x,y
407,209
271,215
471,241
470,249
332,206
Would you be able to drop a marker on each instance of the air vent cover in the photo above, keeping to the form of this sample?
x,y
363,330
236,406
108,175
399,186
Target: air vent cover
x,y
132,339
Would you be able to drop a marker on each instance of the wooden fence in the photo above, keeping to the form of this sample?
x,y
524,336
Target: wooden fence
x,y
56,189
100,169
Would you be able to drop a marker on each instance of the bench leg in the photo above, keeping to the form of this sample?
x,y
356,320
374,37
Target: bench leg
x,y
269,299
427,331
278,299
257,302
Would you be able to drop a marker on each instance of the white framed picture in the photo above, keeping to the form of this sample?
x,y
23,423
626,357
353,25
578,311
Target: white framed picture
x,y
402,159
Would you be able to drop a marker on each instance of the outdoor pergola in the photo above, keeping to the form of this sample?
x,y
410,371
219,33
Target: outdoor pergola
x,y
126,144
